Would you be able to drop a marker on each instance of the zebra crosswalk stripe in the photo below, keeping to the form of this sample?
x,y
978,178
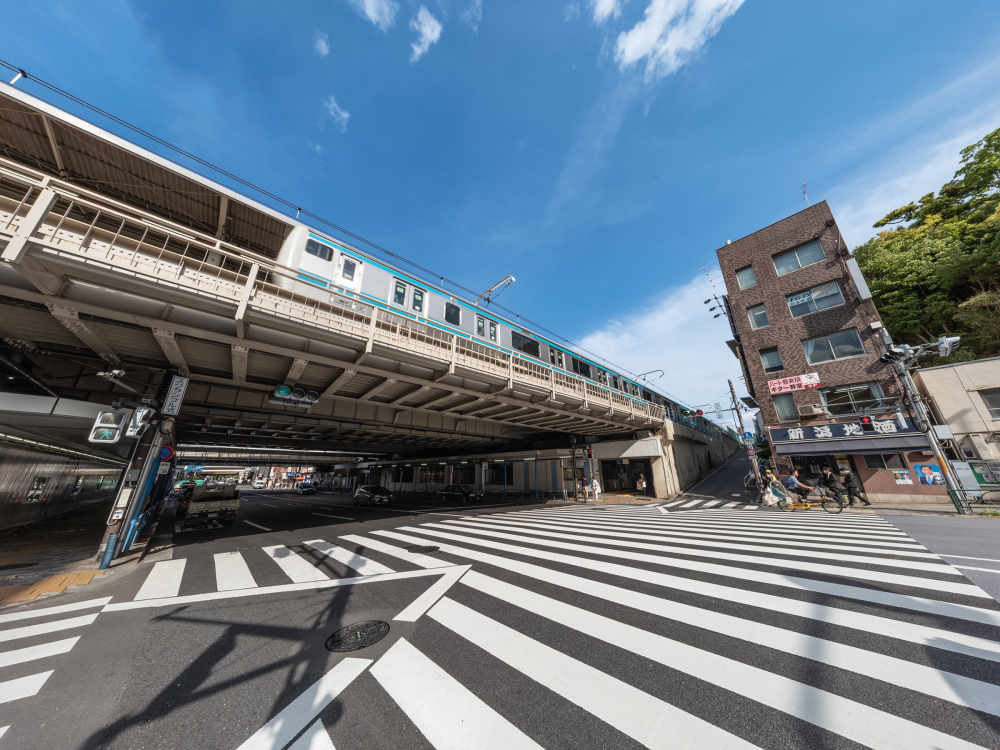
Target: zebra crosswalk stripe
x,y
232,573
295,567
163,581
22,687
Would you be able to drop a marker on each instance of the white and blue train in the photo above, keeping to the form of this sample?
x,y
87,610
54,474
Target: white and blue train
x,y
323,264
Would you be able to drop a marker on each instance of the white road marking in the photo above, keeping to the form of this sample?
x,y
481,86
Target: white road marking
x,y
280,730
954,688
361,564
327,515
163,581
445,711
21,655
232,573
314,738
46,627
729,505
966,557
24,687
54,610
295,567
414,557
983,570
423,602
3,730
257,525
689,504
874,596
646,719
712,504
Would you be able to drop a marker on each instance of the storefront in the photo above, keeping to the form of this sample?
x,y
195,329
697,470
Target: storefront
x,y
894,463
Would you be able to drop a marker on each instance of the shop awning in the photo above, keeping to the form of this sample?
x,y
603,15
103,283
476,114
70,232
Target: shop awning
x,y
889,444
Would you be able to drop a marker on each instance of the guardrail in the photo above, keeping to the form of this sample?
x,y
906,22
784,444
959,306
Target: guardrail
x,y
96,230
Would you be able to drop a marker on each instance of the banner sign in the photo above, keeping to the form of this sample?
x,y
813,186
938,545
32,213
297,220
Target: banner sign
x,y
794,383
175,396
841,431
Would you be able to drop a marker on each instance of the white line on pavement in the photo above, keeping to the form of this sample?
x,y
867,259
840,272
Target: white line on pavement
x,y
257,525
163,581
55,610
414,557
445,711
423,602
24,687
232,573
984,570
361,564
297,568
314,738
327,515
966,557
46,627
21,655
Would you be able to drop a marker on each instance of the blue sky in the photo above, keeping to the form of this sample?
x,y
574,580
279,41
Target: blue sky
x,y
599,150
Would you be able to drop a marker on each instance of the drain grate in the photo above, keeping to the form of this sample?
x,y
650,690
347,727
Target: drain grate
x,y
357,636
418,549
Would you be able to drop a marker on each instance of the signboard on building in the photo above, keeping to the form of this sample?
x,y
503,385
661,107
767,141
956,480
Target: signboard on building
x,y
175,396
985,472
841,431
793,383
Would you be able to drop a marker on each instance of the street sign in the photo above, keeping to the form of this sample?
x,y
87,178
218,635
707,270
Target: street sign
x,y
751,452
175,396
748,435
166,453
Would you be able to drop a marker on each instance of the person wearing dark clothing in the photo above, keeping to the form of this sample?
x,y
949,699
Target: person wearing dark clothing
x,y
831,482
853,488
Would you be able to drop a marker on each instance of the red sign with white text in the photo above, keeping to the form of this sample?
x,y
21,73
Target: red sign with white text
x,y
794,383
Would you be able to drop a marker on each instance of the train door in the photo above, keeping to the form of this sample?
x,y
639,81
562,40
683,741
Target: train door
x,y
349,272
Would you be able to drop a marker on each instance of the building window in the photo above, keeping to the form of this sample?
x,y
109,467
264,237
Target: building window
x,y
771,360
348,270
800,257
784,404
580,367
876,461
839,345
746,277
418,300
815,299
852,399
452,314
493,331
758,317
399,293
555,357
321,251
524,344
991,399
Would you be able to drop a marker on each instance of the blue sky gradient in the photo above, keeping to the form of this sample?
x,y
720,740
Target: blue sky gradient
x,y
598,151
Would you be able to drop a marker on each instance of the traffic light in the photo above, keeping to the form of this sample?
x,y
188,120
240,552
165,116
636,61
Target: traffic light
x,y
893,353
140,421
590,453
287,395
867,424
108,427
947,345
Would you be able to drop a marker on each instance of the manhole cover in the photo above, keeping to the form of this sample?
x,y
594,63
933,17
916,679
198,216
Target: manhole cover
x,y
358,635
420,549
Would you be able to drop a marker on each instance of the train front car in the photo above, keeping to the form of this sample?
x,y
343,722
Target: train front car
x,y
321,266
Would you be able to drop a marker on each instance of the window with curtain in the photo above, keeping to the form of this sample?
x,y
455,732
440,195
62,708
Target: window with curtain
x,y
852,399
784,404
800,257
813,300
839,345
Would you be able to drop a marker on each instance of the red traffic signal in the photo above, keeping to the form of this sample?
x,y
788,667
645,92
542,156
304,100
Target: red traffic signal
x,y
867,424
590,453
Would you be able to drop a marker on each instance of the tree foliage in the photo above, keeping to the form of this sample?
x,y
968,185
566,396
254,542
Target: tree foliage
x,y
937,270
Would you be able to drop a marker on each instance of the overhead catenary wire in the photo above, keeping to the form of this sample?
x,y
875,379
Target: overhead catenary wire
x,y
299,211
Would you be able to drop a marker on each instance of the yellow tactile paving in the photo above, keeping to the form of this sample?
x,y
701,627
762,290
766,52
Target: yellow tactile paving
x,y
50,585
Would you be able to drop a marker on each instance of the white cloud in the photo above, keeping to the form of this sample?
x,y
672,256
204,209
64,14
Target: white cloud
x,y
675,333
316,148
428,29
339,115
321,45
604,9
473,15
382,13
671,33
572,11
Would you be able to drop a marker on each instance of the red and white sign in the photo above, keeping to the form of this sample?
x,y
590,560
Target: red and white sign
x,y
794,383
751,452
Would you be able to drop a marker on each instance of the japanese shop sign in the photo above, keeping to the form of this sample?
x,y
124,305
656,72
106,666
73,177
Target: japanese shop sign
x,y
840,431
794,383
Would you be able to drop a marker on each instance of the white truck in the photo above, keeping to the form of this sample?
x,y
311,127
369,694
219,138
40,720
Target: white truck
x,y
209,503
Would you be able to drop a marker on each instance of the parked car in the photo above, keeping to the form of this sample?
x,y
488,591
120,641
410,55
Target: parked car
x,y
207,503
461,493
372,494
306,488
259,484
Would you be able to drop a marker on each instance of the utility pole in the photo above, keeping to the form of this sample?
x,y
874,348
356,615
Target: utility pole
x,y
739,417
902,357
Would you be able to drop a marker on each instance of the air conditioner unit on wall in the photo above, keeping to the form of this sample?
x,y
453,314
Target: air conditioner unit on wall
x,y
812,410
975,444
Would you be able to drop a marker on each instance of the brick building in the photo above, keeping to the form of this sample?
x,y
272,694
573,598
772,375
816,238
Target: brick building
x,y
807,335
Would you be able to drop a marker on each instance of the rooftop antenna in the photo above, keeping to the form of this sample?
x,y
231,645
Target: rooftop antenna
x,y
804,194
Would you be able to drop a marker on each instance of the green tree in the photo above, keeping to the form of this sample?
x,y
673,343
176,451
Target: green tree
x,y
936,271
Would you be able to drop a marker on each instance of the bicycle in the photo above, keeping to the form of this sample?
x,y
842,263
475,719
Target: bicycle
x,y
830,503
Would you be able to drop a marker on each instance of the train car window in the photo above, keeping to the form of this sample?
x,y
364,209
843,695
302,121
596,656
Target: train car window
x,y
325,252
647,395
480,325
614,382
418,300
524,344
399,293
555,357
581,367
348,270
493,331
452,314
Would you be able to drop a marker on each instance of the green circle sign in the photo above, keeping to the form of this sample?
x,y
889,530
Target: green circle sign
x,y
284,391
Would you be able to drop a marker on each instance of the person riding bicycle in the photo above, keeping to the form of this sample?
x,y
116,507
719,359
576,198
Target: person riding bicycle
x,y
792,483
831,482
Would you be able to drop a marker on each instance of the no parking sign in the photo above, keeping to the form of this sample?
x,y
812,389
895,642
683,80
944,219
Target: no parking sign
x,y
166,453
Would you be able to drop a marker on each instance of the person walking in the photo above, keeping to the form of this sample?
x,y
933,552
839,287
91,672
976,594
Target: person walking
x,y
791,482
832,483
853,488
595,488
640,484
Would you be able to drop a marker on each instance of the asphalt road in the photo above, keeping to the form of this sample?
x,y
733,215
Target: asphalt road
x,y
533,626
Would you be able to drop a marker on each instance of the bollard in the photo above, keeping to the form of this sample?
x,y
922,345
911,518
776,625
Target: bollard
x,y
109,550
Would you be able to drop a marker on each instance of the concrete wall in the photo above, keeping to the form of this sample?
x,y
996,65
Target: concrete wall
x,y
952,392
688,455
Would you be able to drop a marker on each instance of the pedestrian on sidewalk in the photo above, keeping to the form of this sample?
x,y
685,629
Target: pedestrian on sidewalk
x,y
853,488
640,484
596,488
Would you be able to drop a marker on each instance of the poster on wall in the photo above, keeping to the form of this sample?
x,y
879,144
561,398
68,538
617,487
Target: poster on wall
x,y
902,476
929,474
986,472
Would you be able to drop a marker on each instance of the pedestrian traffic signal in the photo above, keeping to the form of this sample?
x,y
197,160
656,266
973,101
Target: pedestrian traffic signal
x,y
947,345
108,427
140,421
590,453
867,424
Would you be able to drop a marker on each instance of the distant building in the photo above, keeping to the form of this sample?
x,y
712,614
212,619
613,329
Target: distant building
x,y
966,398
807,336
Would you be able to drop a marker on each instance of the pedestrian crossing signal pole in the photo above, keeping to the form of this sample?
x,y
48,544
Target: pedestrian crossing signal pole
x,y
739,417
